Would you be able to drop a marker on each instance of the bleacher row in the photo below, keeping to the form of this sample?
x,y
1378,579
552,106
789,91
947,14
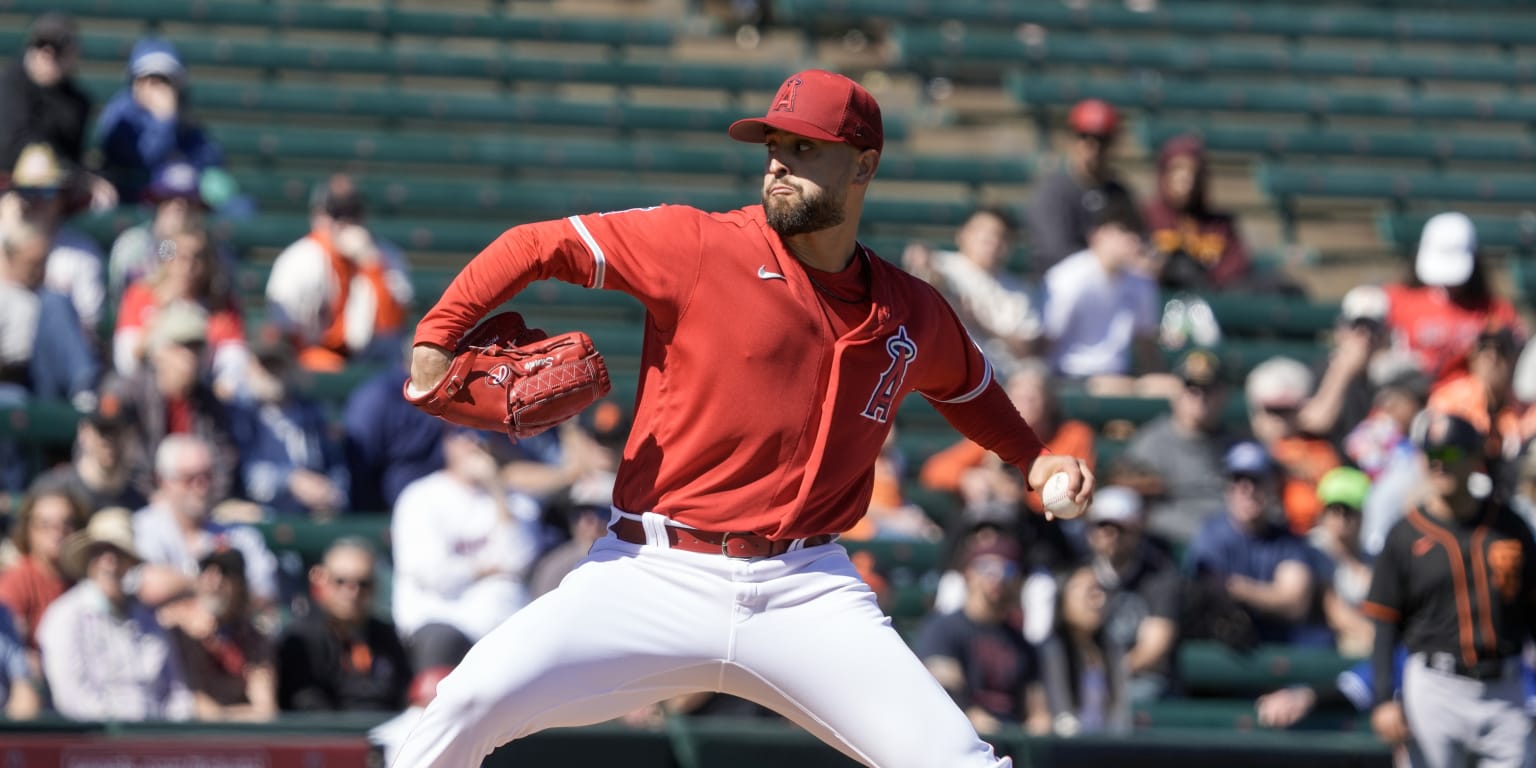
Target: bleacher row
x,y
453,143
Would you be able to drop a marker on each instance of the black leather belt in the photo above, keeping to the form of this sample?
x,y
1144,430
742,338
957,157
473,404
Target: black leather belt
x,y
1484,670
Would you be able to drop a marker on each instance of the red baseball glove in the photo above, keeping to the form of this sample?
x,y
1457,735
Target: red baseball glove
x,y
508,377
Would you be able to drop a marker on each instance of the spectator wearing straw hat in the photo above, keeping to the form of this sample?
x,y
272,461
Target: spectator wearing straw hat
x,y
104,655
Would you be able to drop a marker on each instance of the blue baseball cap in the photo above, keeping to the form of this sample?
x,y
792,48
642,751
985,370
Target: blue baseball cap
x,y
1247,459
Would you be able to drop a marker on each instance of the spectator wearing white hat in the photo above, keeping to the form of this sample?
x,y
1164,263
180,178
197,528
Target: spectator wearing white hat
x,y
1143,590
104,655
1344,389
1277,390
1448,302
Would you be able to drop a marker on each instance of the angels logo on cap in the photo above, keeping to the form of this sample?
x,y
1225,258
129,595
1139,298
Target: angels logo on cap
x,y
820,105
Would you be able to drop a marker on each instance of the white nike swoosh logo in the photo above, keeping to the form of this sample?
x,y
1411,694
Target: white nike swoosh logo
x,y
764,274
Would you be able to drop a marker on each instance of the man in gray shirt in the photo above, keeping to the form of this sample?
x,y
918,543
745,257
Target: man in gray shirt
x,y
1175,460
1067,203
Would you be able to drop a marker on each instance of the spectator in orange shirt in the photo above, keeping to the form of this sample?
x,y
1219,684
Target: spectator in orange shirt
x,y
340,290
1483,394
1440,312
965,468
1277,389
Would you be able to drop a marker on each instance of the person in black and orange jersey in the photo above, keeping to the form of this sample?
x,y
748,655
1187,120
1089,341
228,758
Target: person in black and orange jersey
x,y
339,656
1456,584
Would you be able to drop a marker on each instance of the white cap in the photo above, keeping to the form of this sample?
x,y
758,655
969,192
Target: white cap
x,y
1365,302
1447,249
1115,504
1279,381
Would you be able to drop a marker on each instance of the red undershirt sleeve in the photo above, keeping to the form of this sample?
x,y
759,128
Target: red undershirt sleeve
x,y
991,420
518,257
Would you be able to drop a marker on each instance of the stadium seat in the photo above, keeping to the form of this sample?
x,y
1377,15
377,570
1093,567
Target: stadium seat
x,y
1282,181
268,103
542,198
1212,669
40,423
940,49
1288,142
326,17
266,57
1516,232
1158,95
1204,18
244,144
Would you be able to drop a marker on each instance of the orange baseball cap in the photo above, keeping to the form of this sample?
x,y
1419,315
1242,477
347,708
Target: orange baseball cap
x,y
820,105
1094,117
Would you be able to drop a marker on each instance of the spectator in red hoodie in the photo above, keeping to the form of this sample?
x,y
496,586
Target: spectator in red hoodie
x,y
1196,248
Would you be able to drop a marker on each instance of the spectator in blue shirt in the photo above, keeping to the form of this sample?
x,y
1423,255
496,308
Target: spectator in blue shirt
x,y
1261,565
288,461
389,443
145,126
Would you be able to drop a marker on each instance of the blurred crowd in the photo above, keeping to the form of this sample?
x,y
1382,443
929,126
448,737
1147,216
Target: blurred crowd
x,y
133,584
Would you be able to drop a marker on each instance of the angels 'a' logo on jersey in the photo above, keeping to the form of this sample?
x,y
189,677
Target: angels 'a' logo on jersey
x,y
902,351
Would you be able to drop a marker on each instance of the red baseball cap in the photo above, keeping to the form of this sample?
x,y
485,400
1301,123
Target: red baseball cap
x,y
1094,117
820,105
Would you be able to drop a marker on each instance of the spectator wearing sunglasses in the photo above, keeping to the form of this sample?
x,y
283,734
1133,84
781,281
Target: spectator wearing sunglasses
x,y
1068,202
338,655
1277,390
1247,552
1174,461
177,530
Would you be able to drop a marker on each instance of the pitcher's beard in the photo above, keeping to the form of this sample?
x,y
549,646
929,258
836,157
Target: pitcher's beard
x,y
801,216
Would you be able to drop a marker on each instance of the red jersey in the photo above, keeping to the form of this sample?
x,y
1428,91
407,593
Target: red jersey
x,y
752,413
1441,332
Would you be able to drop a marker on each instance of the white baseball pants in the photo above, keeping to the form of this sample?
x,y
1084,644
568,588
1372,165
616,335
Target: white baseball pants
x,y
634,624
1451,716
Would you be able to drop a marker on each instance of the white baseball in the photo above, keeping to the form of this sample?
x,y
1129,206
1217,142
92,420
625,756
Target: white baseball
x,y
1057,499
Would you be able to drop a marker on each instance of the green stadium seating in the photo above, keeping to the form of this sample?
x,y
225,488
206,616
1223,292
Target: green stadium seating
x,y
326,17
940,49
1244,315
1037,89
1286,142
309,538
266,57
1207,18
268,103
1210,668
1294,180
544,198
244,144
38,422
1512,232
